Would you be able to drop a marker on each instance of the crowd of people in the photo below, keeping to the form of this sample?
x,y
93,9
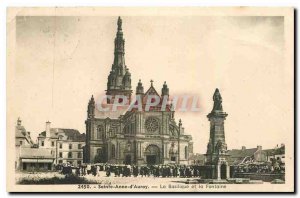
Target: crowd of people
x,y
133,170
188,171
260,168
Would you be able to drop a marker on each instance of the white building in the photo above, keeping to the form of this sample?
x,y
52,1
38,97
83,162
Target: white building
x,y
28,156
66,144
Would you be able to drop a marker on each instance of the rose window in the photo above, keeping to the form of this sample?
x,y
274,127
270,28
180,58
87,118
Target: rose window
x,y
151,125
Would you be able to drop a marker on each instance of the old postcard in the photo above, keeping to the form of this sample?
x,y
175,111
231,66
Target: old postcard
x,y
196,99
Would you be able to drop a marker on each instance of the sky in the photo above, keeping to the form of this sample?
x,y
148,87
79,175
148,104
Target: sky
x,y
61,61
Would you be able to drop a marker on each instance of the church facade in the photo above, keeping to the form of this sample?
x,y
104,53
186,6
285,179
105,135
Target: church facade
x,y
137,135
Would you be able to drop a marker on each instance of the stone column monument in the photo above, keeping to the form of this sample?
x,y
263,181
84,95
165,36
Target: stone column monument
x,y
216,155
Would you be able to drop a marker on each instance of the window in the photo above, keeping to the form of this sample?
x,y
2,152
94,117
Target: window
x,y
173,159
52,143
42,143
60,154
41,165
78,162
152,125
79,155
60,145
186,152
70,146
21,142
79,146
100,132
113,151
70,155
60,161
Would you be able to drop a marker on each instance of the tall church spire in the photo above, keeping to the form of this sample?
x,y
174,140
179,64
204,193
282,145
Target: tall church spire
x,y
119,79
119,60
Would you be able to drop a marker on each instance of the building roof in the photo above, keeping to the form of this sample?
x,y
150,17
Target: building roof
x,y
239,155
236,153
69,134
35,153
275,151
22,133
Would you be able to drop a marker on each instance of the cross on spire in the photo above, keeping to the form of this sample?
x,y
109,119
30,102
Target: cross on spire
x,y
151,82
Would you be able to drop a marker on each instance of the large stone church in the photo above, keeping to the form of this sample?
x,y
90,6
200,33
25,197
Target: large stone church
x,y
134,136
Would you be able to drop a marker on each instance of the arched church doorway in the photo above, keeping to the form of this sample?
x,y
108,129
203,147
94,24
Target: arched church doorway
x,y
100,156
152,155
223,171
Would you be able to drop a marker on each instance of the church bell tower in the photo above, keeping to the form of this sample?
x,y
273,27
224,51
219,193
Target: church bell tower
x,y
119,79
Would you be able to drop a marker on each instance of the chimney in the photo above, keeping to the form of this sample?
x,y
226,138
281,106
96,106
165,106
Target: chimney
x,y
243,148
48,129
259,147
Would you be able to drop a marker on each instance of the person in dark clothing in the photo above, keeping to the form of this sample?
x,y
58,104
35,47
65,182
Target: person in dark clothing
x,y
181,172
142,171
117,171
164,174
108,171
175,171
156,173
145,171
135,171
94,170
77,172
188,172
168,171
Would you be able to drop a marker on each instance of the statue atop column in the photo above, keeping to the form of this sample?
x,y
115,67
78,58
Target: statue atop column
x,y
217,101
216,155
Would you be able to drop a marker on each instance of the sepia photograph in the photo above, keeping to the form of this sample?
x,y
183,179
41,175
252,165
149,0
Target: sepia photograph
x,y
137,99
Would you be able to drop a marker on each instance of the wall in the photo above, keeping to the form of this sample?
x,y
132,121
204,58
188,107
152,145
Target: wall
x,y
75,160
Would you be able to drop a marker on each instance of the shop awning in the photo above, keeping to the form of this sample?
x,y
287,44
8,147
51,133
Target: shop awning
x,y
37,160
